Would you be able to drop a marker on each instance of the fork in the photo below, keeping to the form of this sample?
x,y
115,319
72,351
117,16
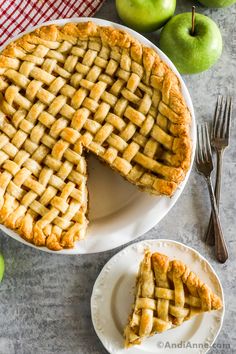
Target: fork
x,y
219,141
205,166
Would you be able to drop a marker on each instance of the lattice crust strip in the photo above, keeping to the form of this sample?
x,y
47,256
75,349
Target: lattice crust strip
x,y
167,294
64,90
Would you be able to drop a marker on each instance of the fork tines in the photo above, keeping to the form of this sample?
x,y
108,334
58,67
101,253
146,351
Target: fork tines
x,y
204,153
222,118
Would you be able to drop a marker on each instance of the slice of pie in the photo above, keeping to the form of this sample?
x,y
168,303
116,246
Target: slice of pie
x,y
167,293
76,88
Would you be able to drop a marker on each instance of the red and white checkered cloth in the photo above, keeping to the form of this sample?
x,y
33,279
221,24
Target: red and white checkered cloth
x,y
17,15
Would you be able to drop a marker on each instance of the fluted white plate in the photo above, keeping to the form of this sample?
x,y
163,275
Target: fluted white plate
x,y
118,211
113,296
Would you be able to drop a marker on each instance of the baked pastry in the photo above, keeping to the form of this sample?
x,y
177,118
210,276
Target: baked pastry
x,y
167,293
76,88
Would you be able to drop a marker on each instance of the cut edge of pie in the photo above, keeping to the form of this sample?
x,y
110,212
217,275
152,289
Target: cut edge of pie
x,y
75,88
167,294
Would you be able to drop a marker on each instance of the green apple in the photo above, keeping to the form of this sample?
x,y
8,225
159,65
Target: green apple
x,y
145,15
217,3
1,267
191,52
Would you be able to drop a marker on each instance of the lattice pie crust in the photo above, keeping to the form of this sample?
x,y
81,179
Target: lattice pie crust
x,y
76,88
167,294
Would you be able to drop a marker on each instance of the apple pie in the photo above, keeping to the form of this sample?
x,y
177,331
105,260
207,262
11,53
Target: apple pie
x,y
83,88
167,294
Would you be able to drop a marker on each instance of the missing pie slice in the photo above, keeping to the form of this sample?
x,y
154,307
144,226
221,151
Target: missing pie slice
x,y
83,88
167,294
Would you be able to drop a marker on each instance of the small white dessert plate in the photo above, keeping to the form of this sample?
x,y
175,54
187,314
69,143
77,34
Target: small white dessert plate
x,y
118,211
113,296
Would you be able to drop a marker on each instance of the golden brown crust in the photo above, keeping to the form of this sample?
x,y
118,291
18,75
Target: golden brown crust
x,y
179,295
141,129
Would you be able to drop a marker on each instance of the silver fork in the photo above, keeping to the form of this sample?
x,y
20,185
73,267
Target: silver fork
x,y
205,166
219,141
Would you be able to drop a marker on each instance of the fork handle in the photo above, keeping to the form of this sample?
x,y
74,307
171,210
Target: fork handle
x,y
210,235
220,245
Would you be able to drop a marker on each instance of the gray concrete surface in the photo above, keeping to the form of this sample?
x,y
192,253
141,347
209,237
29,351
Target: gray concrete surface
x,y
45,299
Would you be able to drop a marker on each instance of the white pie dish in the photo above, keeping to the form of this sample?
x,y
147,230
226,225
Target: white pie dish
x,y
113,296
119,212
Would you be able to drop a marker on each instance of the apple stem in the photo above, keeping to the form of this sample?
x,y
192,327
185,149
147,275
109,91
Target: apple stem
x,y
193,20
